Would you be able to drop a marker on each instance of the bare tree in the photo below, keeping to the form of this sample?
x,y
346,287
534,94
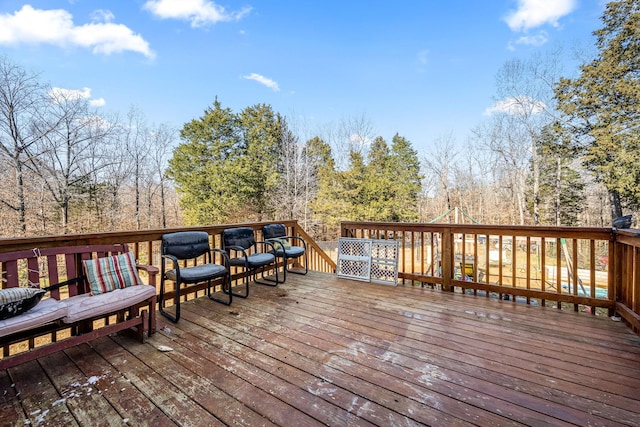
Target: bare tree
x,y
288,195
23,104
440,163
504,138
161,142
66,154
525,93
135,130
351,135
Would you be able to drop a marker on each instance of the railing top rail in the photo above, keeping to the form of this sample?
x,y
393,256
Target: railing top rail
x,y
603,233
21,243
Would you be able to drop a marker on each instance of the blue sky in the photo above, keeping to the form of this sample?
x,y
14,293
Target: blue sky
x,y
422,68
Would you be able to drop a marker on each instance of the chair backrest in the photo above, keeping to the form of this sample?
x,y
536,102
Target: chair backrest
x,y
241,236
185,244
273,231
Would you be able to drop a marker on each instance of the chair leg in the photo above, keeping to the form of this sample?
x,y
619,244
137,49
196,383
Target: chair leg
x,y
226,284
266,281
306,266
246,285
285,262
166,314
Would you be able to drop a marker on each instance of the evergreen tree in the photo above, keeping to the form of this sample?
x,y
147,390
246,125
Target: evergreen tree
x,y
203,165
603,104
262,132
407,180
561,189
329,204
378,185
350,193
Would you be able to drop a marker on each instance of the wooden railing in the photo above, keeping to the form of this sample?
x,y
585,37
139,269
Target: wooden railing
x,y
584,269
625,273
146,243
594,270
146,246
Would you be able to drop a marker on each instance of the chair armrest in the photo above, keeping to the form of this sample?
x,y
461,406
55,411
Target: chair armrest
x,y
304,244
225,256
266,243
173,260
238,249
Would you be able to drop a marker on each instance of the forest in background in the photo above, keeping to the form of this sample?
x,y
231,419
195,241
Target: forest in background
x,y
555,151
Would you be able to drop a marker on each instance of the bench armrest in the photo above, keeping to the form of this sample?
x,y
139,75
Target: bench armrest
x,y
151,270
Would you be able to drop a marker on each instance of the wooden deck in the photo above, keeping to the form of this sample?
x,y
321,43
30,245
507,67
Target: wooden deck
x,y
323,351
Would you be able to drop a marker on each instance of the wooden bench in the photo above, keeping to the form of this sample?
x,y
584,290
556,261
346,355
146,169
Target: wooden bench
x,y
68,313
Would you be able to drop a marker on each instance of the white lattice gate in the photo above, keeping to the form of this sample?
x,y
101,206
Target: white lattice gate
x,y
368,260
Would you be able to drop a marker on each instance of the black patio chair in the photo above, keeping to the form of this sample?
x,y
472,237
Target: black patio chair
x,y
277,234
251,255
185,246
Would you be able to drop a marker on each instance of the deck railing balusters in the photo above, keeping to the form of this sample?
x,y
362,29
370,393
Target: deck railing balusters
x,y
540,271
538,265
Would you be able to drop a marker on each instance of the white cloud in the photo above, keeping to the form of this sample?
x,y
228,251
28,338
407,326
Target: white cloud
x,y
263,80
56,27
59,95
102,15
98,102
534,13
199,12
518,106
536,40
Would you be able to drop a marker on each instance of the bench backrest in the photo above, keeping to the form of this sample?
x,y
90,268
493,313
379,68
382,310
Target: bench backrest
x,y
49,266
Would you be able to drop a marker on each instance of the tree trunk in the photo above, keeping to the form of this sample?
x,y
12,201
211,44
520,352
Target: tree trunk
x,y
536,180
137,193
616,206
22,221
163,205
558,190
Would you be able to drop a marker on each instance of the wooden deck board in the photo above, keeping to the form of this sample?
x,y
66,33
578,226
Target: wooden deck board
x,y
10,407
87,404
319,350
116,388
520,346
38,396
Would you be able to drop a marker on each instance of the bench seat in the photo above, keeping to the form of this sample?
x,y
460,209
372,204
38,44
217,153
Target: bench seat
x,y
86,306
47,311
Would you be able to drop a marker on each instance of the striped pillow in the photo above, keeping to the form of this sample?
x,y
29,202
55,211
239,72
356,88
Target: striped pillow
x,y
110,273
14,301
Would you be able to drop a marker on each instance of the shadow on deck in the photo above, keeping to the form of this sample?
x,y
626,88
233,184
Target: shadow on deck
x,y
319,350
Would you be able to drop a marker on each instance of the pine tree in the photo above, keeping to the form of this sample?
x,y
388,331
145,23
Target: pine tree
x,y
202,166
561,189
378,183
603,104
407,179
324,189
258,170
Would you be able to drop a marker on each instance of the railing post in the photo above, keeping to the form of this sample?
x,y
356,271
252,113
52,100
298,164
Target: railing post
x,y
447,258
614,280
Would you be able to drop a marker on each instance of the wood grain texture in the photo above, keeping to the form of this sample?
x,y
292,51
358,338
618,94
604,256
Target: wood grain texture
x,y
319,350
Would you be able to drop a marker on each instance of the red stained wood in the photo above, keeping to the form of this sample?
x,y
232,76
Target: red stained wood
x,y
319,350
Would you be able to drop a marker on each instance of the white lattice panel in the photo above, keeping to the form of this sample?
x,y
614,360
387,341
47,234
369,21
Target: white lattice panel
x,y
384,261
369,260
354,258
